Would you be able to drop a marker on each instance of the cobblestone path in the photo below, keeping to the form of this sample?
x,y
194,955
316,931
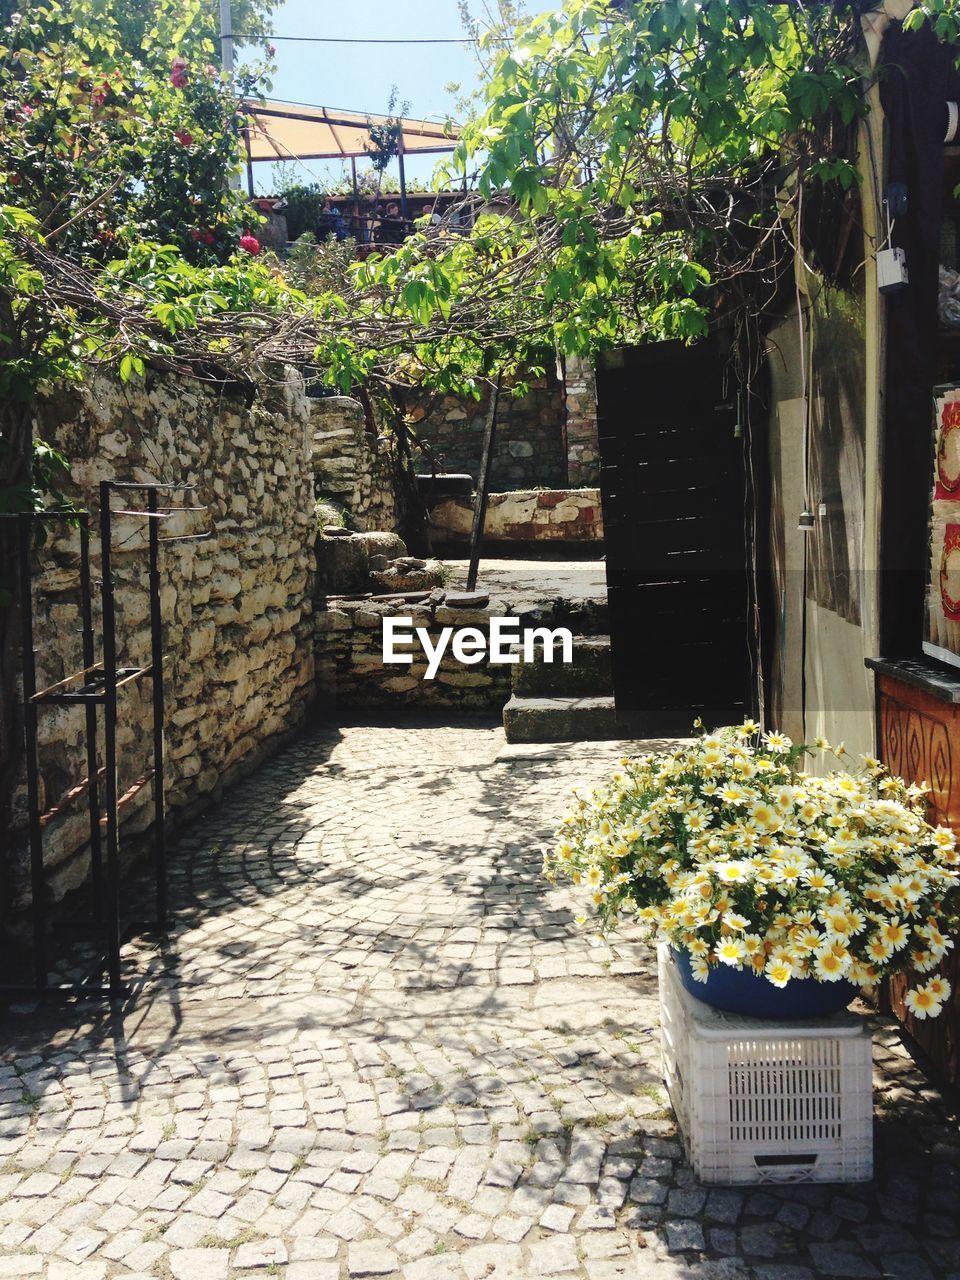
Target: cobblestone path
x,y
376,1045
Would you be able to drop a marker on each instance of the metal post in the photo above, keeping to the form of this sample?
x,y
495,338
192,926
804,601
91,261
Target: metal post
x,y
483,485
226,39
246,143
156,659
227,60
37,884
90,710
110,742
404,212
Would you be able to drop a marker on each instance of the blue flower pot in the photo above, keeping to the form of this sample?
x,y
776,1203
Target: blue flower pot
x,y
741,991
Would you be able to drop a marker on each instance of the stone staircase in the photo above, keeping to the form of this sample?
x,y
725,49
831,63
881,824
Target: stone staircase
x,y
565,702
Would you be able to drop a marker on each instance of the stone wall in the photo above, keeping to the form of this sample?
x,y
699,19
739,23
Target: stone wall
x,y
237,607
529,447
353,466
541,515
583,448
349,661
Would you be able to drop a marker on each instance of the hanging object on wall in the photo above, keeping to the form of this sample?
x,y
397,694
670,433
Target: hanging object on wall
x,y
892,274
941,633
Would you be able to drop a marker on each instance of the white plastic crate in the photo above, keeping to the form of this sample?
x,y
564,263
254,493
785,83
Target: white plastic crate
x,y
760,1101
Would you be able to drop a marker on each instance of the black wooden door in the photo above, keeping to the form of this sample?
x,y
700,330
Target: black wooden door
x,y
672,483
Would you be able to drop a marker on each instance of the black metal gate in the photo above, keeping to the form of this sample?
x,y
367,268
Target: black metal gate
x,y
673,486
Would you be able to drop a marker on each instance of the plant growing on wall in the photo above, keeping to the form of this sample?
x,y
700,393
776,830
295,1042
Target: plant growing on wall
x,y
649,151
116,142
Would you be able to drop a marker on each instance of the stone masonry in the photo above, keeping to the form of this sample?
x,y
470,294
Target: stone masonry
x,y
351,465
583,450
529,443
237,607
532,515
349,662
376,1044
547,438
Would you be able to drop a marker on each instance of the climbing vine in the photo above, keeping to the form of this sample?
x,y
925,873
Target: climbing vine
x,y
637,166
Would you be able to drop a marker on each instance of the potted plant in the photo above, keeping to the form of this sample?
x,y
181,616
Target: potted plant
x,y
780,892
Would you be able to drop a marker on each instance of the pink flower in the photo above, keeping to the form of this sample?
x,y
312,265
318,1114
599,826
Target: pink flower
x,y
183,137
210,70
178,73
250,244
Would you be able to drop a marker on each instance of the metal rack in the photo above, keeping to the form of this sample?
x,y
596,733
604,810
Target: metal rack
x,y
98,685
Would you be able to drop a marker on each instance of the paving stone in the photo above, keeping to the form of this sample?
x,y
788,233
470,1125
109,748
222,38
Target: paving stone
x,y
596,1217
371,1258
905,1266
511,1229
647,1191
199,1264
445,1266
761,1204
875,1238
761,1239
686,1202
848,1209
836,1262
473,1227
346,1224
682,1234
388,1027
723,1205
723,1240
557,1217
496,1261
260,1253
793,1215
553,1256
824,1226
312,1271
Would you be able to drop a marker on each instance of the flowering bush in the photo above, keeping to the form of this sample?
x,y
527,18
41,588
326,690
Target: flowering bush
x,y
110,136
737,857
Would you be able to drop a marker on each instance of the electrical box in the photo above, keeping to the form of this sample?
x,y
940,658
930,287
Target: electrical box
x,y
892,273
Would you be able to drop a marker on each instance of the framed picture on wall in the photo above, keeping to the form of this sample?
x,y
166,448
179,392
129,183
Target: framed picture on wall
x,y
941,631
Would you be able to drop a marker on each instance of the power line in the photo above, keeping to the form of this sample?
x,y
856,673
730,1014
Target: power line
x,y
360,39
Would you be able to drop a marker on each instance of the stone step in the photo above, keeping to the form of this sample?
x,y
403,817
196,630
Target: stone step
x,y
588,673
560,719
585,617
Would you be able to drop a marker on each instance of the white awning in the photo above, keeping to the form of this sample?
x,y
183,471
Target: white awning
x,y
291,130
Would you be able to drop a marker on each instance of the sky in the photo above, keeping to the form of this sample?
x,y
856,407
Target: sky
x,y
358,77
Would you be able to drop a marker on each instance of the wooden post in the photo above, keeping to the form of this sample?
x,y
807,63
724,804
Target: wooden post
x,y
483,486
